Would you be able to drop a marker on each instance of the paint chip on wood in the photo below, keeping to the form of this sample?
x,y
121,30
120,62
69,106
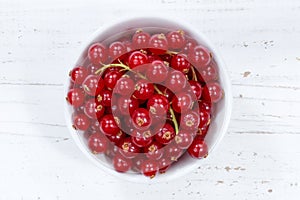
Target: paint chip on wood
x,y
270,190
246,74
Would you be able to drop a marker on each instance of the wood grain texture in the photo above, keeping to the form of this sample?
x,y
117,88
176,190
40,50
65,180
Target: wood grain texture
x,y
259,157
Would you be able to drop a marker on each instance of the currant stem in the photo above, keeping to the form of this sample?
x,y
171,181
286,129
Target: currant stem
x,y
194,74
104,67
171,111
172,52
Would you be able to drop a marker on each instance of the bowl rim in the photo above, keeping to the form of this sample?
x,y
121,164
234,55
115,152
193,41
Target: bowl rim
x,y
226,84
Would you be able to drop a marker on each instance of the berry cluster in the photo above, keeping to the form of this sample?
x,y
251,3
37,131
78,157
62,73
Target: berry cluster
x,y
145,99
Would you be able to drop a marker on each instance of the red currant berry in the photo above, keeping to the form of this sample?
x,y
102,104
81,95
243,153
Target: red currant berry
x,y
94,125
176,81
176,39
136,59
111,151
215,91
179,62
154,150
140,39
137,162
126,106
166,92
141,139
116,50
173,152
97,53
81,122
184,139
166,134
166,57
205,105
121,164
196,88
182,102
75,97
190,44
97,143
91,68
111,78
158,44
93,110
117,138
158,105
124,86
164,164
141,118
143,89
204,118
104,97
198,148
199,56
109,125
190,121
92,85
149,168
127,148
157,71
208,74
78,74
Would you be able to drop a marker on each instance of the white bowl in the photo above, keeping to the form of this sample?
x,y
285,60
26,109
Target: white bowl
x,y
218,125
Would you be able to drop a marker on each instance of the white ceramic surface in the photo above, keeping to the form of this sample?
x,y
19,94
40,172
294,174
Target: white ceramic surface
x,y
217,128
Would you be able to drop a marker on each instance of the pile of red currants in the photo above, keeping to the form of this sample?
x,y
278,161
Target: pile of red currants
x,y
144,99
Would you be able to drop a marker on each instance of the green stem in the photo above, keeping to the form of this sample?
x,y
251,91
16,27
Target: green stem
x,y
104,67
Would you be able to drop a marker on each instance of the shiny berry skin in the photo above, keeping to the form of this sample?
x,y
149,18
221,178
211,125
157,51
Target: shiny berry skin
x,y
97,143
81,122
179,62
111,78
158,44
166,57
111,151
141,140
204,118
166,92
190,44
176,39
173,152
93,110
184,139
209,73
182,102
117,49
143,89
124,86
126,105
141,118
166,134
92,85
196,88
75,97
140,39
109,125
190,121
137,58
164,164
104,97
117,138
94,125
97,54
176,81
78,74
91,68
157,71
127,148
215,91
121,164
198,148
199,56
149,168
158,104
154,151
